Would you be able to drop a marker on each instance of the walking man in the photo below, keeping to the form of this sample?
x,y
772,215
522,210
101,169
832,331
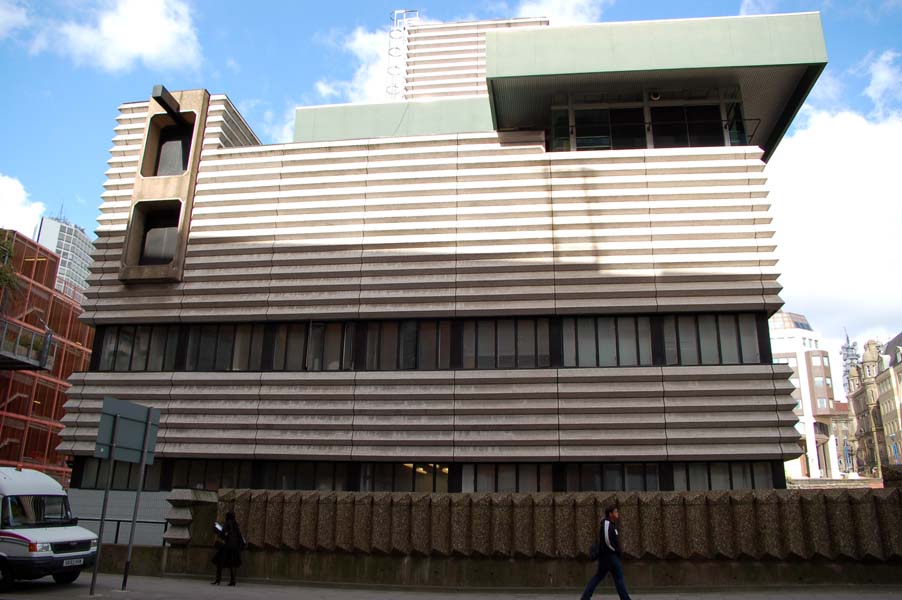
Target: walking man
x,y
608,556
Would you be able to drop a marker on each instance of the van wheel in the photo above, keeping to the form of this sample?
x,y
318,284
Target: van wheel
x,y
67,577
6,577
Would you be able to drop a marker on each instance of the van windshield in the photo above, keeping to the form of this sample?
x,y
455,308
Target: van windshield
x,y
35,511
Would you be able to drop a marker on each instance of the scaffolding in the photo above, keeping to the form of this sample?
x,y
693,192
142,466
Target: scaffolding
x,y
401,19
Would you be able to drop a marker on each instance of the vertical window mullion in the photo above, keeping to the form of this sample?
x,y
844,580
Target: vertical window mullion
x,y
698,338
595,327
617,339
719,341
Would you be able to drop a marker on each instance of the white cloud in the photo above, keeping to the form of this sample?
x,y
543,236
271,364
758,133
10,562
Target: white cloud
x,y
19,212
885,86
233,65
564,12
371,79
326,89
12,17
828,91
279,129
758,7
835,187
158,34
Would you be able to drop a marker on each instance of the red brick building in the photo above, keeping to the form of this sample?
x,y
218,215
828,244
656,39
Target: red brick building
x,y
42,344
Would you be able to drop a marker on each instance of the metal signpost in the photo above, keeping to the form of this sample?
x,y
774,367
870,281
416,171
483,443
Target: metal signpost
x,y
127,433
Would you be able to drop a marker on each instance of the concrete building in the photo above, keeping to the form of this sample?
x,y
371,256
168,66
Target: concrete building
x,y
42,342
823,418
558,281
74,248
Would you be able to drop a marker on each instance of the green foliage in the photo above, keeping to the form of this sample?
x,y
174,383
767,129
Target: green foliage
x,y
9,281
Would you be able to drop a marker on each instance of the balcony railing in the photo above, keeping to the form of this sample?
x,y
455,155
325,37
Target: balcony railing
x,y
23,349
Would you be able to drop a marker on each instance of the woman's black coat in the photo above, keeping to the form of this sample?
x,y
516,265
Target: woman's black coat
x,y
229,553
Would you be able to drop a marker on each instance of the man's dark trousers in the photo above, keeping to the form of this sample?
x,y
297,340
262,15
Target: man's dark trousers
x,y
607,562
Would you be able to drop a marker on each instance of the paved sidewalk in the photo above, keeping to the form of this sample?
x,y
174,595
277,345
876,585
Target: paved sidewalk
x,y
178,588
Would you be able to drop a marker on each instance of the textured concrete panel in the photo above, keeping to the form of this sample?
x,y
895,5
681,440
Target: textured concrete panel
x,y
720,511
401,523
697,526
382,522
461,524
889,515
275,509
291,520
651,525
344,521
842,527
866,525
565,525
256,523
767,517
792,526
325,522
502,524
481,532
363,522
309,520
816,526
524,525
441,524
544,519
421,524
675,533
745,526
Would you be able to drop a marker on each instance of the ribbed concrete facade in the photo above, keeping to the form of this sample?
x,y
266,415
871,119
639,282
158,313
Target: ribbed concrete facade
x,y
448,59
451,228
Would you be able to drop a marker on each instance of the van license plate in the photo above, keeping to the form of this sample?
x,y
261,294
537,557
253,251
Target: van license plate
x,y
71,562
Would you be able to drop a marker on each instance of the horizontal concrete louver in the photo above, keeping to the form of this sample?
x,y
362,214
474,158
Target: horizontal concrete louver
x,y
448,59
652,414
442,226
446,226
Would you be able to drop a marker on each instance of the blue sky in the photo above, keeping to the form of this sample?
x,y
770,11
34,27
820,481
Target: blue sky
x,y
68,64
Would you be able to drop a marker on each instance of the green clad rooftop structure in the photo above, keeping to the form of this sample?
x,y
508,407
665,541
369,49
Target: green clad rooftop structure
x,y
771,61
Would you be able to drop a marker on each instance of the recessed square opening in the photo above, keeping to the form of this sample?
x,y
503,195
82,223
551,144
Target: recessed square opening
x,y
168,148
158,223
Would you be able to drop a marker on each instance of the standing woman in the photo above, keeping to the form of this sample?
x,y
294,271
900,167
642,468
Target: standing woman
x,y
229,552
608,556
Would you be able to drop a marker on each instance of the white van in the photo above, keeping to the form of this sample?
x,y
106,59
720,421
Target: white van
x,y
38,534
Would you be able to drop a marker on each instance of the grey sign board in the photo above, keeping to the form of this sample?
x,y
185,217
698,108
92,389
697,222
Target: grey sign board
x,y
129,431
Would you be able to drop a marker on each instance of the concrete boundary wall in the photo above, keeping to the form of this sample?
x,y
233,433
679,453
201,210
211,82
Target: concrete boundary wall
x,y
761,525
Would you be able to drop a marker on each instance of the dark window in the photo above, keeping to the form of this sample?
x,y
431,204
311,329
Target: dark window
x,y
593,129
705,126
124,348
315,347
332,347
586,343
485,344
628,128
526,343
160,236
173,150
295,347
407,341
427,345
669,127
607,342
141,348
506,344
373,348
468,345
389,355
108,350
444,345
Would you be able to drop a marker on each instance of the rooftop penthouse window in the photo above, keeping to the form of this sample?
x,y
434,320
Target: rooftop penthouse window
x,y
682,119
